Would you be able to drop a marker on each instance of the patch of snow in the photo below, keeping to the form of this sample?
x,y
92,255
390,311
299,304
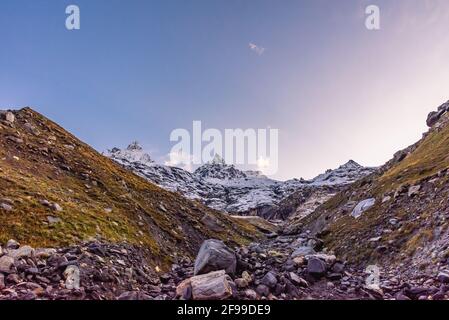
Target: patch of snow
x,y
224,187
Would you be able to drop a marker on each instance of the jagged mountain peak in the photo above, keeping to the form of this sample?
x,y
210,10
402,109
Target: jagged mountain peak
x,y
347,173
134,153
218,169
217,160
224,187
134,146
351,164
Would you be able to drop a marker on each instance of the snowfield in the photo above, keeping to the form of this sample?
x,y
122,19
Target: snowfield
x,y
224,187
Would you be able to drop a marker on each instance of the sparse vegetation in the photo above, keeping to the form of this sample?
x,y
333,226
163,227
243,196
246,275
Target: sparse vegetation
x,y
99,199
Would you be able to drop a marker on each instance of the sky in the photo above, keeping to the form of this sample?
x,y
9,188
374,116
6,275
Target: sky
x,y
137,70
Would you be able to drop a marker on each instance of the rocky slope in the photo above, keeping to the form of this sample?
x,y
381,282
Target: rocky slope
x,y
398,216
226,188
57,191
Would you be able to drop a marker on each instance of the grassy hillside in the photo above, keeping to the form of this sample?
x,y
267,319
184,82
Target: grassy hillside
x,y
408,224
42,164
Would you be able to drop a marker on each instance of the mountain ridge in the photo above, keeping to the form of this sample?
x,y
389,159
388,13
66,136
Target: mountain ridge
x,y
56,190
226,188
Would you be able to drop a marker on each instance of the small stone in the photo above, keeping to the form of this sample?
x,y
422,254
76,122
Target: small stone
x,y
247,277
25,251
2,281
338,267
299,261
241,283
53,220
6,207
12,244
263,290
393,221
13,278
9,117
250,294
302,252
414,190
363,206
443,277
72,277
316,267
298,280
44,253
269,280
56,207
328,258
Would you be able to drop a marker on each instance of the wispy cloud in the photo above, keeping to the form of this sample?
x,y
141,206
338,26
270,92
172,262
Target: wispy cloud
x,y
257,49
180,159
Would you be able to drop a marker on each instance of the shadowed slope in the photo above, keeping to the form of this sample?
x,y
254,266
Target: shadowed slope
x,y
56,190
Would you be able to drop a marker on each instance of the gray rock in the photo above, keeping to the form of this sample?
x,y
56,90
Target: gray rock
x,y
443,277
263,290
6,264
250,294
302,252
25,251
328,258
6,207
211,286
338,267
2,281
53,220
56,207
12,244
298,280
215,255
413,190
72,277
363,206
316,267
434,116
269,280
241,283
13,277
44,253
9,117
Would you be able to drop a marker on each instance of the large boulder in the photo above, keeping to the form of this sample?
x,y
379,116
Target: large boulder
x,y
22,252
6,264
8,116
302,252
363,206
211,286
434,116
215,255
316,267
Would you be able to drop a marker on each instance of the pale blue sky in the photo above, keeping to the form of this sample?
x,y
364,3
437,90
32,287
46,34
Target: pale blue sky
x,y
139,69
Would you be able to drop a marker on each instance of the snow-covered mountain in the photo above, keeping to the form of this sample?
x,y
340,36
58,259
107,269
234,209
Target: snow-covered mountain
x,y
226,188
347,173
